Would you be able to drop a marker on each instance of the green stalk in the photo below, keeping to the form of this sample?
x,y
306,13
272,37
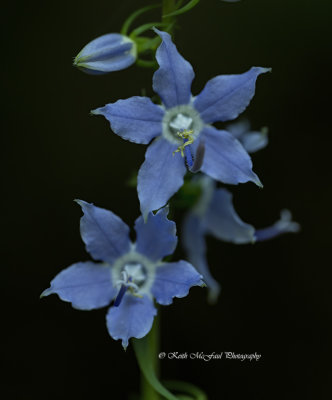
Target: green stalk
x,y
147,355
168,7
153,337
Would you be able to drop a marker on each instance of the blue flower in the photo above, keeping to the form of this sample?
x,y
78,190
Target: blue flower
x,y
214,214
130,274
107,53
139,120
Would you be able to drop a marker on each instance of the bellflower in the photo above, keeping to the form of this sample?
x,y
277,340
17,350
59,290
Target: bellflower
x,y
107,53
183,122
130,274
215,214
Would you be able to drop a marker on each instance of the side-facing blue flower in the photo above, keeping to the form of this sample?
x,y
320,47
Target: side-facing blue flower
x,y
107,53
131,274
214,214
139,120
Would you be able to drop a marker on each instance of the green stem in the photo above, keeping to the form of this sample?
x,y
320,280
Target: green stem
x,y
168,7
146,350
153,337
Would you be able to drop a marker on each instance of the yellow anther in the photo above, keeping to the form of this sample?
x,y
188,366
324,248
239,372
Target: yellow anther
x,y
133,291
187,136
137,295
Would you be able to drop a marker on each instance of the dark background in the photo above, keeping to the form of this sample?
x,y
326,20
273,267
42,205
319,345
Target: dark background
x,y
276,296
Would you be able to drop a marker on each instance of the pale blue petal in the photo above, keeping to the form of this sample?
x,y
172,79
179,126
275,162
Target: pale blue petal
x,y
107,53
193,240
252,141
132,318
157,237
102,67
105,235
284,225
226,96
86,285
222,221
160,176
225,158
136,119
172,81
102,45
174,280
238,128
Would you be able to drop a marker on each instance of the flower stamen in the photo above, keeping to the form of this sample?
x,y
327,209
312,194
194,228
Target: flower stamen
x,y
187,140
129,275
120,295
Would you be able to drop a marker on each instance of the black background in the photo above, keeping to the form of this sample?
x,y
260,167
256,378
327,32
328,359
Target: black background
x,y
276,296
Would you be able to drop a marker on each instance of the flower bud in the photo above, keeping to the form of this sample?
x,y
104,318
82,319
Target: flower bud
x,y
107,53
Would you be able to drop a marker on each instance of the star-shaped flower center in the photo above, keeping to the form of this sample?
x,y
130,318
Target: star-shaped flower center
x,y
179,119
133,276
180,122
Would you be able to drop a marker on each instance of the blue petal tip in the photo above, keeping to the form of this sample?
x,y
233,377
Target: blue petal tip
x,y
82,203
95,112
45,293
258,182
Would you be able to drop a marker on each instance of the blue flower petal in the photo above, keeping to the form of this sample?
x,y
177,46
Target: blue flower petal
x,y
86,285
101,43
133,318
174,280
252,141
157,237
238,128
160,176
226,96
105,235
193,240
222,221
284,225
136,119
107,53
103,67
172,81
225,158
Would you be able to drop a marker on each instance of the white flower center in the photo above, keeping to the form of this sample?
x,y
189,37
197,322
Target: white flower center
x,y
180,123
133,275
135,272
181,118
